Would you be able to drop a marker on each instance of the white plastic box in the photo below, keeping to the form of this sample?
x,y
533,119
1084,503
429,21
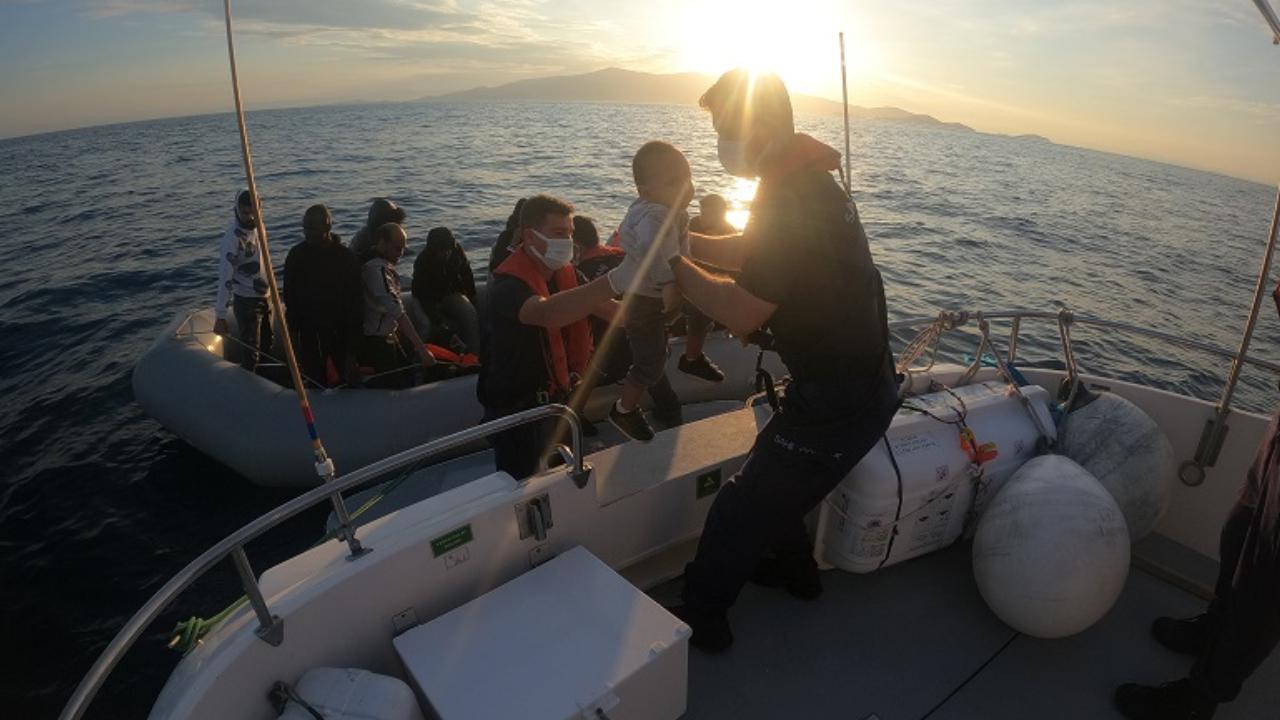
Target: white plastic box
x,y
351,694
857,518
565,640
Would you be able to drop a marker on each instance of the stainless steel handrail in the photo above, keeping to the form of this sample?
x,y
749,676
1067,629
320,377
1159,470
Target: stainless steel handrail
x,y
234,543
1019,315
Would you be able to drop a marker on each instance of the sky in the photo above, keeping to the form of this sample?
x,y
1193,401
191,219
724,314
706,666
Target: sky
x,y
1192,82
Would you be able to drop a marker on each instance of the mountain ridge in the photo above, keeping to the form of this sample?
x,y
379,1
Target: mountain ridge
x,y
617,85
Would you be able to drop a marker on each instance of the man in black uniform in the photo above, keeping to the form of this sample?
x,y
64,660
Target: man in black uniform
x,y
807,273
1242,625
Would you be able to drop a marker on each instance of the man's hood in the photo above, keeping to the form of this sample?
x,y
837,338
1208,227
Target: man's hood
x,y
799,152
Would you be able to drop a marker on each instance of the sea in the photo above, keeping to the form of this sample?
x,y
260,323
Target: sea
x,y
110,231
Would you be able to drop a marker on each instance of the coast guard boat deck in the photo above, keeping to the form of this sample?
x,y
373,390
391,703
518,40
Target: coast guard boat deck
x,y
916,641
911,641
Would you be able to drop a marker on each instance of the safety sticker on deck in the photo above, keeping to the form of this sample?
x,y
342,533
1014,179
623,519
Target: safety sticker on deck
x,y
451,540
708,483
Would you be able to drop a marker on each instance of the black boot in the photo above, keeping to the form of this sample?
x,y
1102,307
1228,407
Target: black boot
x,y
1189,636
1179,700
711,632
798,577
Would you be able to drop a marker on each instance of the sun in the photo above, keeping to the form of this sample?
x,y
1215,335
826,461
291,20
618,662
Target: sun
x,y
796,39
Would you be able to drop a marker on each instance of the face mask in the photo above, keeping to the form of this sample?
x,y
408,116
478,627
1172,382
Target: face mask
x,y
559,251
733,156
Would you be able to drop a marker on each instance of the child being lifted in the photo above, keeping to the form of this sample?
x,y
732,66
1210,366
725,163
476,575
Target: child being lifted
x,y
656,218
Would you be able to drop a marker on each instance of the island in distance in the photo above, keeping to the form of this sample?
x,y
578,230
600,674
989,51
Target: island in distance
x,y
615,85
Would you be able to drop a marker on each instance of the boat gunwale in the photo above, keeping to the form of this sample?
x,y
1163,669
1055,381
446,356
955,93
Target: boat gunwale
x,y
235,542
161,600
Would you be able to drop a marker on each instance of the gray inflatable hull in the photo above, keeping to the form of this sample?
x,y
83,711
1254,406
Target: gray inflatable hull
x,y
254,426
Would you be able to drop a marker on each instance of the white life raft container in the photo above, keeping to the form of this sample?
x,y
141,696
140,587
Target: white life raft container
x,y
938,485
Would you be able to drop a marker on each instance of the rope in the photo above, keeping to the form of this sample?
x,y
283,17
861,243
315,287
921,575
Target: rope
x,y
897,514
191,336
189,633
928,338
1015,380
976,476
979,455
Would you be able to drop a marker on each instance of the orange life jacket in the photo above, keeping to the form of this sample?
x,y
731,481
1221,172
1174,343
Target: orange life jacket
x,y
444,354
592,253
567,349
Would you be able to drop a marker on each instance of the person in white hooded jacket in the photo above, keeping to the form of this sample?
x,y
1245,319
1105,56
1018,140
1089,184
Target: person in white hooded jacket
x,y
242,284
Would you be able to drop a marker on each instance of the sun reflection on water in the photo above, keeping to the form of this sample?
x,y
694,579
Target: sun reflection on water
x,y
739,197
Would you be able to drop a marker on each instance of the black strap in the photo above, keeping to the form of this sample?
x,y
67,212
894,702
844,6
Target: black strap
x,y
764,382
280,695
897,514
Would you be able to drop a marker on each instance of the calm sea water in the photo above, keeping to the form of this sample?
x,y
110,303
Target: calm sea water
x,y
109,231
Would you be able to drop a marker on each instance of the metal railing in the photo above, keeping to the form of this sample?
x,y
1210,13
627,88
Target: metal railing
x,y
1017,316
1191,472
271,628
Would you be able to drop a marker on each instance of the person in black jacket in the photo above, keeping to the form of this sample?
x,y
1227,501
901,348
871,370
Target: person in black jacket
x,y
381,212
1241,627
322,296
445,288
806,272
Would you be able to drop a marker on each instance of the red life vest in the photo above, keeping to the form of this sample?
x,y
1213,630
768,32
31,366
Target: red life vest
x,y
592,253
567,349
444,354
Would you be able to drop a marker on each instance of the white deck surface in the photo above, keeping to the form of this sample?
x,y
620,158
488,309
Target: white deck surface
x,y
916,641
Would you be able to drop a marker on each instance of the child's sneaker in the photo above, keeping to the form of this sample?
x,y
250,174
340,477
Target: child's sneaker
x,y
702,368
632,424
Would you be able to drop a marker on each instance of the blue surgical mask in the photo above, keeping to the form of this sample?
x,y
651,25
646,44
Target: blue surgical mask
x,y
733,156
559,251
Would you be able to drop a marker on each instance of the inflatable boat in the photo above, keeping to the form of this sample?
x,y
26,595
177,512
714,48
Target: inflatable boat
x,y
251,424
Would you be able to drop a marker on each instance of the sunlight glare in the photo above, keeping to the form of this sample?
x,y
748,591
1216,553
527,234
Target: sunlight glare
x,y
739,199
796,40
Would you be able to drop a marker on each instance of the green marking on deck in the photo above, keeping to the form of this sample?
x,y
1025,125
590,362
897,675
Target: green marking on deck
x,y
451,540
708,483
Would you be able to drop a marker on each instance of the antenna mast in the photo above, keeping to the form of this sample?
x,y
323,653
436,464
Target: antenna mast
x,y
844,85
324,464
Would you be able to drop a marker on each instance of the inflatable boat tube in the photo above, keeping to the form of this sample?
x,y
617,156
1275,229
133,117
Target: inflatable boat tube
x,y
253,425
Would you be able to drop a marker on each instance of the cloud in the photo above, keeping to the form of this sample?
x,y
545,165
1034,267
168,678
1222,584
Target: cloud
x,y
432,37
1258,109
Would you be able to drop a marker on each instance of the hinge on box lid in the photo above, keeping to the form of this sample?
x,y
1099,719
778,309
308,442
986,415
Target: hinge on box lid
x,y
599,708
533,517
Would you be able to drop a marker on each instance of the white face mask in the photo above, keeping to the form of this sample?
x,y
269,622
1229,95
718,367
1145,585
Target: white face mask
x,y
733,156
559,251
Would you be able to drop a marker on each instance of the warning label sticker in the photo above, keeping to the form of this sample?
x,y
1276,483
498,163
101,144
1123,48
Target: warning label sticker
x,y
451,540
914,444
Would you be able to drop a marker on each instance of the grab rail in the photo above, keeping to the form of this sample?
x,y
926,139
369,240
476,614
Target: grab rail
x,y
270,628
1017,316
